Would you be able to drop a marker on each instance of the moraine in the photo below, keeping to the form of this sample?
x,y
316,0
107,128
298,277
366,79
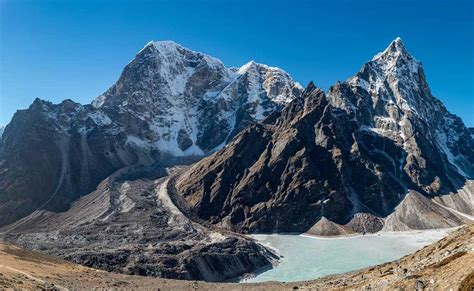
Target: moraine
x,y
307,257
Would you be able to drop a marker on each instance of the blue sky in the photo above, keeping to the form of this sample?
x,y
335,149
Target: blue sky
x,y
77,49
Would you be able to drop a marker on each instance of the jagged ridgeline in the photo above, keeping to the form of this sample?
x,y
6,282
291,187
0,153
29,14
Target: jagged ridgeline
x,y
169,101
82,182
93,184
376,151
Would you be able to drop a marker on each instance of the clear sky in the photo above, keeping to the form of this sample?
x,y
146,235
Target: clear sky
x,y
77,49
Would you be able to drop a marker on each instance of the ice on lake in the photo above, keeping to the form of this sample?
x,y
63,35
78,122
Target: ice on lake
x,y
307,257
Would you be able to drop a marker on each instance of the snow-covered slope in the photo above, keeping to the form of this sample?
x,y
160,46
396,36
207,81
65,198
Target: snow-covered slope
x,y
189,103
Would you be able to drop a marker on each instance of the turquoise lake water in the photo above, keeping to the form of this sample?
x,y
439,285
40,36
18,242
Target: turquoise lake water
x,y
306,258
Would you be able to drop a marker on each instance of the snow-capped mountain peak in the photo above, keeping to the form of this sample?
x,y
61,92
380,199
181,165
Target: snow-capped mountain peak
x,y
180,96
248,66
173,50
166,44
396,48
396,59
391,97
277,83
393,76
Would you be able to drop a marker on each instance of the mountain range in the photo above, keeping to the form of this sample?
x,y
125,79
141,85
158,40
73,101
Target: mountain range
x,y
374,152
158,175
169,102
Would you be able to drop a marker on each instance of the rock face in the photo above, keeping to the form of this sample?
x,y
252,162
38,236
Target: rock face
x,y
169,101
390,96
360,149
186,102
50,154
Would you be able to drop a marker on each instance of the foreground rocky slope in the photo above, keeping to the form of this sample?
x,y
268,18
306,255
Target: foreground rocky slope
x,y
169,101
131,226
444,265
378,141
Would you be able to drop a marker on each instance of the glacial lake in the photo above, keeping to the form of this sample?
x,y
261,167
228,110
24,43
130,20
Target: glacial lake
x,y
307,257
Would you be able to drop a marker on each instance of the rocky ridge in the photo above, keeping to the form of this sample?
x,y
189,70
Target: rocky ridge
x,y
169,101
80,181
349,157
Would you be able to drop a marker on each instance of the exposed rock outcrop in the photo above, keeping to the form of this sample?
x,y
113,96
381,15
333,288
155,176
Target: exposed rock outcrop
x,y
169,101
365,223
325,227
361,149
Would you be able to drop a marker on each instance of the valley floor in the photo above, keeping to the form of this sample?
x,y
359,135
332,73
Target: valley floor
x,y
446,264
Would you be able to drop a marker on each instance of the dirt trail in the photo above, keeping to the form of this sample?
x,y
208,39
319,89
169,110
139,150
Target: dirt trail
x,y
33,277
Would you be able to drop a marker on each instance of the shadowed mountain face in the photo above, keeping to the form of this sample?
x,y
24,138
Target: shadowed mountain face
x,y
80,182
169,102
350,157
377,151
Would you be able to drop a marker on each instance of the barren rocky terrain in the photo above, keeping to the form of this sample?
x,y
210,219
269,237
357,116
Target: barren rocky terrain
x,y
446,264
131,226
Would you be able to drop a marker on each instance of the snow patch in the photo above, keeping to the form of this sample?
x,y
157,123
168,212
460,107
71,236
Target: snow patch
x,y
99,101
125,203
176,95
100,118
442,140
216,237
